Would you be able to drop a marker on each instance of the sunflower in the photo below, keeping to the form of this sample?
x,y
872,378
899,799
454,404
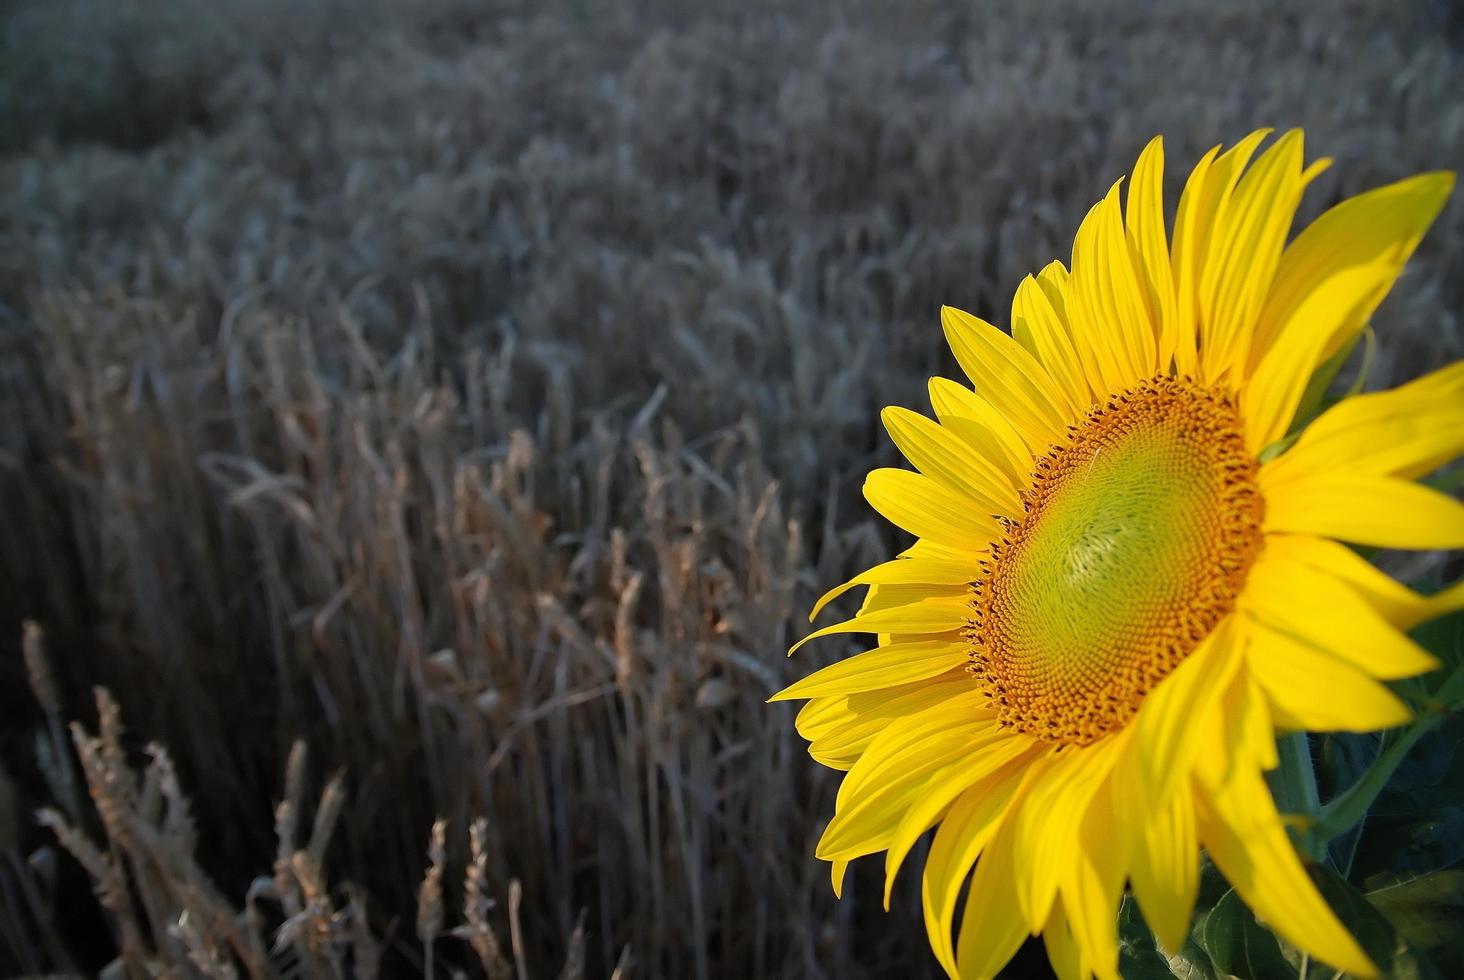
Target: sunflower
x,y
1128,578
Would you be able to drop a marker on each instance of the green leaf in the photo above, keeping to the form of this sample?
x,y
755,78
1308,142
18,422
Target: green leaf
x,y
1213,887
1416,841
1405,750
1384,945
1432,775
1138,956
1239,946
1416,825
1191,963
1427,910
1149,967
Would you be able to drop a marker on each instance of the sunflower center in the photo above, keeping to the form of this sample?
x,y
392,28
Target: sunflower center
x,y
1137,537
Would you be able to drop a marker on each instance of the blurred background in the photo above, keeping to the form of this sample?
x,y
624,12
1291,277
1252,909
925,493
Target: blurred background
x,y
449,410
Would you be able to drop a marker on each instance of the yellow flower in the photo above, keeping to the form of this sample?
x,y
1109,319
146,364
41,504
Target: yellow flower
x,y
1127,577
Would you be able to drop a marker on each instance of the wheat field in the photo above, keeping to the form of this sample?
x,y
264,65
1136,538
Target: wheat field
x,y
424,428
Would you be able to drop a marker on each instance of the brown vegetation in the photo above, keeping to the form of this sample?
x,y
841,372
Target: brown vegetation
x,y
479,395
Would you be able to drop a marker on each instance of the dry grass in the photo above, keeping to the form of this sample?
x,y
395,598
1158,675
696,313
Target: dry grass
x,y
479,395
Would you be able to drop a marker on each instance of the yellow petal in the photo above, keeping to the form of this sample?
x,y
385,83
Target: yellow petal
x,y
950,460
1400,606
884,596
885,666
1166,869
969,706
1144,219
863,716
1038,327
1050,818
837,870
916,503
822,715
1373,510
908,571
994,771
936,551
878,598
1196,226
977,421
1296,600
1009,377
1240,828
1445,382
1319,691
970,825
1410,442
1382,225
893,772
1112,328
832,717
1249,235
1269,400
1054,282
1246,712
1093,882
1062,946
937,614
1122,290
1190,230
991,925
1406,432
1168,727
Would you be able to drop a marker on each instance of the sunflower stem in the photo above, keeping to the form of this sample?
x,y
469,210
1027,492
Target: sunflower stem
x,y
1294,785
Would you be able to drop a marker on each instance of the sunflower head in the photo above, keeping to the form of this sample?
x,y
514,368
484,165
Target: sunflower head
x,y
1071,626
1127,574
